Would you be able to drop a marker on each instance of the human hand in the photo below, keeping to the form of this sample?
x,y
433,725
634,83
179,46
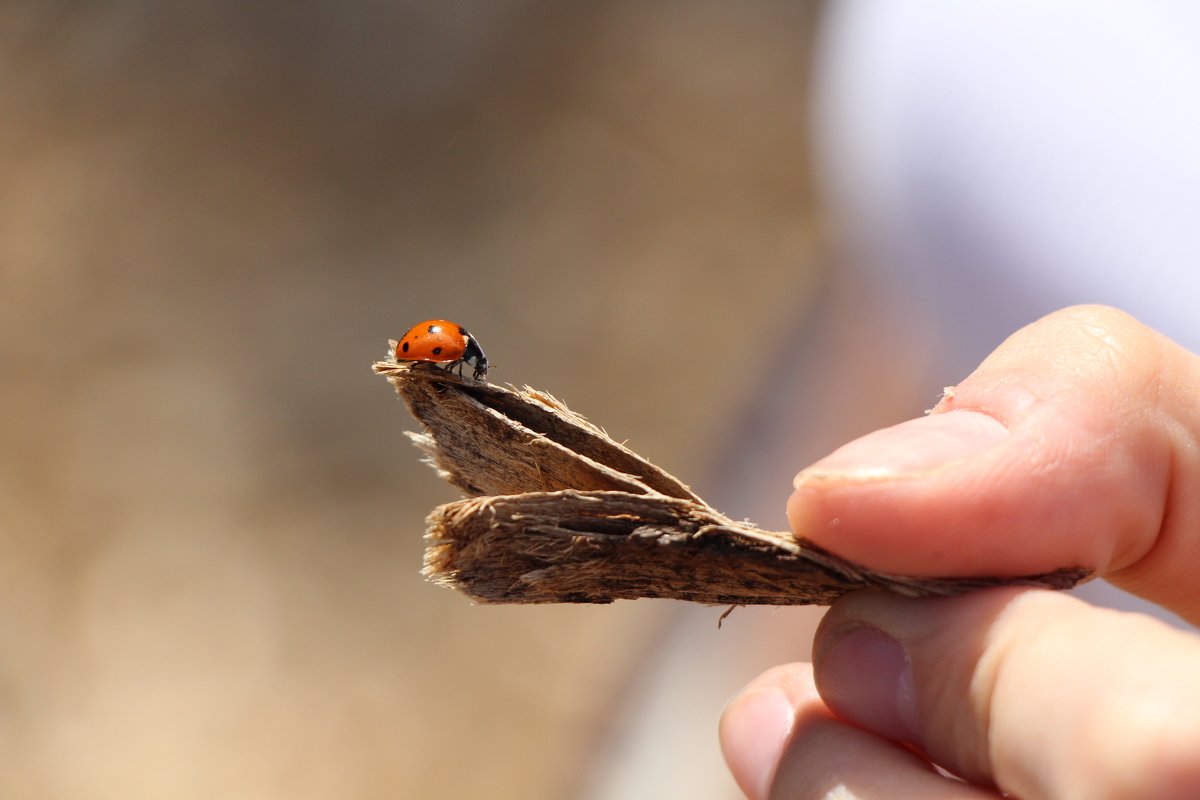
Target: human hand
x,y
1076,443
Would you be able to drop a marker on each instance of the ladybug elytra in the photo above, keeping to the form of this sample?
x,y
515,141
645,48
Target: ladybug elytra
x,y
440,341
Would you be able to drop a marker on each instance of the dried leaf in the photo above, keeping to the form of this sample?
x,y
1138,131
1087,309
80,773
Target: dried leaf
x,y
561,513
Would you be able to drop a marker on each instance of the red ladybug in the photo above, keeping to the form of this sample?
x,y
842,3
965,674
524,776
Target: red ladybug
x,y
440,341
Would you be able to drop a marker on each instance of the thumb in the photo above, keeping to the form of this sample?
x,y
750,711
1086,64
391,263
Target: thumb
x,y
1073,444
1031,691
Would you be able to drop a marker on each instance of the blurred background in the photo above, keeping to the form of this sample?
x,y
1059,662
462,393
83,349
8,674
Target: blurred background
x,y
212,218
734,235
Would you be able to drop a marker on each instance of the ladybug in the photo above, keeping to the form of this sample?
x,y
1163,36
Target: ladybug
x,y
440,341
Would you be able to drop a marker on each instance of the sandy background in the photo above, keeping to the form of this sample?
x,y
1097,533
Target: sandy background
x,y
212,218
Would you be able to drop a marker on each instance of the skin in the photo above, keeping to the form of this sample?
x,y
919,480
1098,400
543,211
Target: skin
x,y
1076,443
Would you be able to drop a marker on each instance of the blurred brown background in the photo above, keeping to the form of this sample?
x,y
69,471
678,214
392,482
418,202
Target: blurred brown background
x,y
212,218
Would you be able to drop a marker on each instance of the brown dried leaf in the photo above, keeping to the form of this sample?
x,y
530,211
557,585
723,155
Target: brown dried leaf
x,y
563,514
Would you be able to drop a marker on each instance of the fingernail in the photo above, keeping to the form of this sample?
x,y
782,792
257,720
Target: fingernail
x,y
755,727
865,677
912,447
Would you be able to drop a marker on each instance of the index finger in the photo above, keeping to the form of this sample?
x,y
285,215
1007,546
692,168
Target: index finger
x,y
1073,444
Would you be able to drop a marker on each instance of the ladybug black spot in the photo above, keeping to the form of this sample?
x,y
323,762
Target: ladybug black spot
x,y
463,331
404,347
437,351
